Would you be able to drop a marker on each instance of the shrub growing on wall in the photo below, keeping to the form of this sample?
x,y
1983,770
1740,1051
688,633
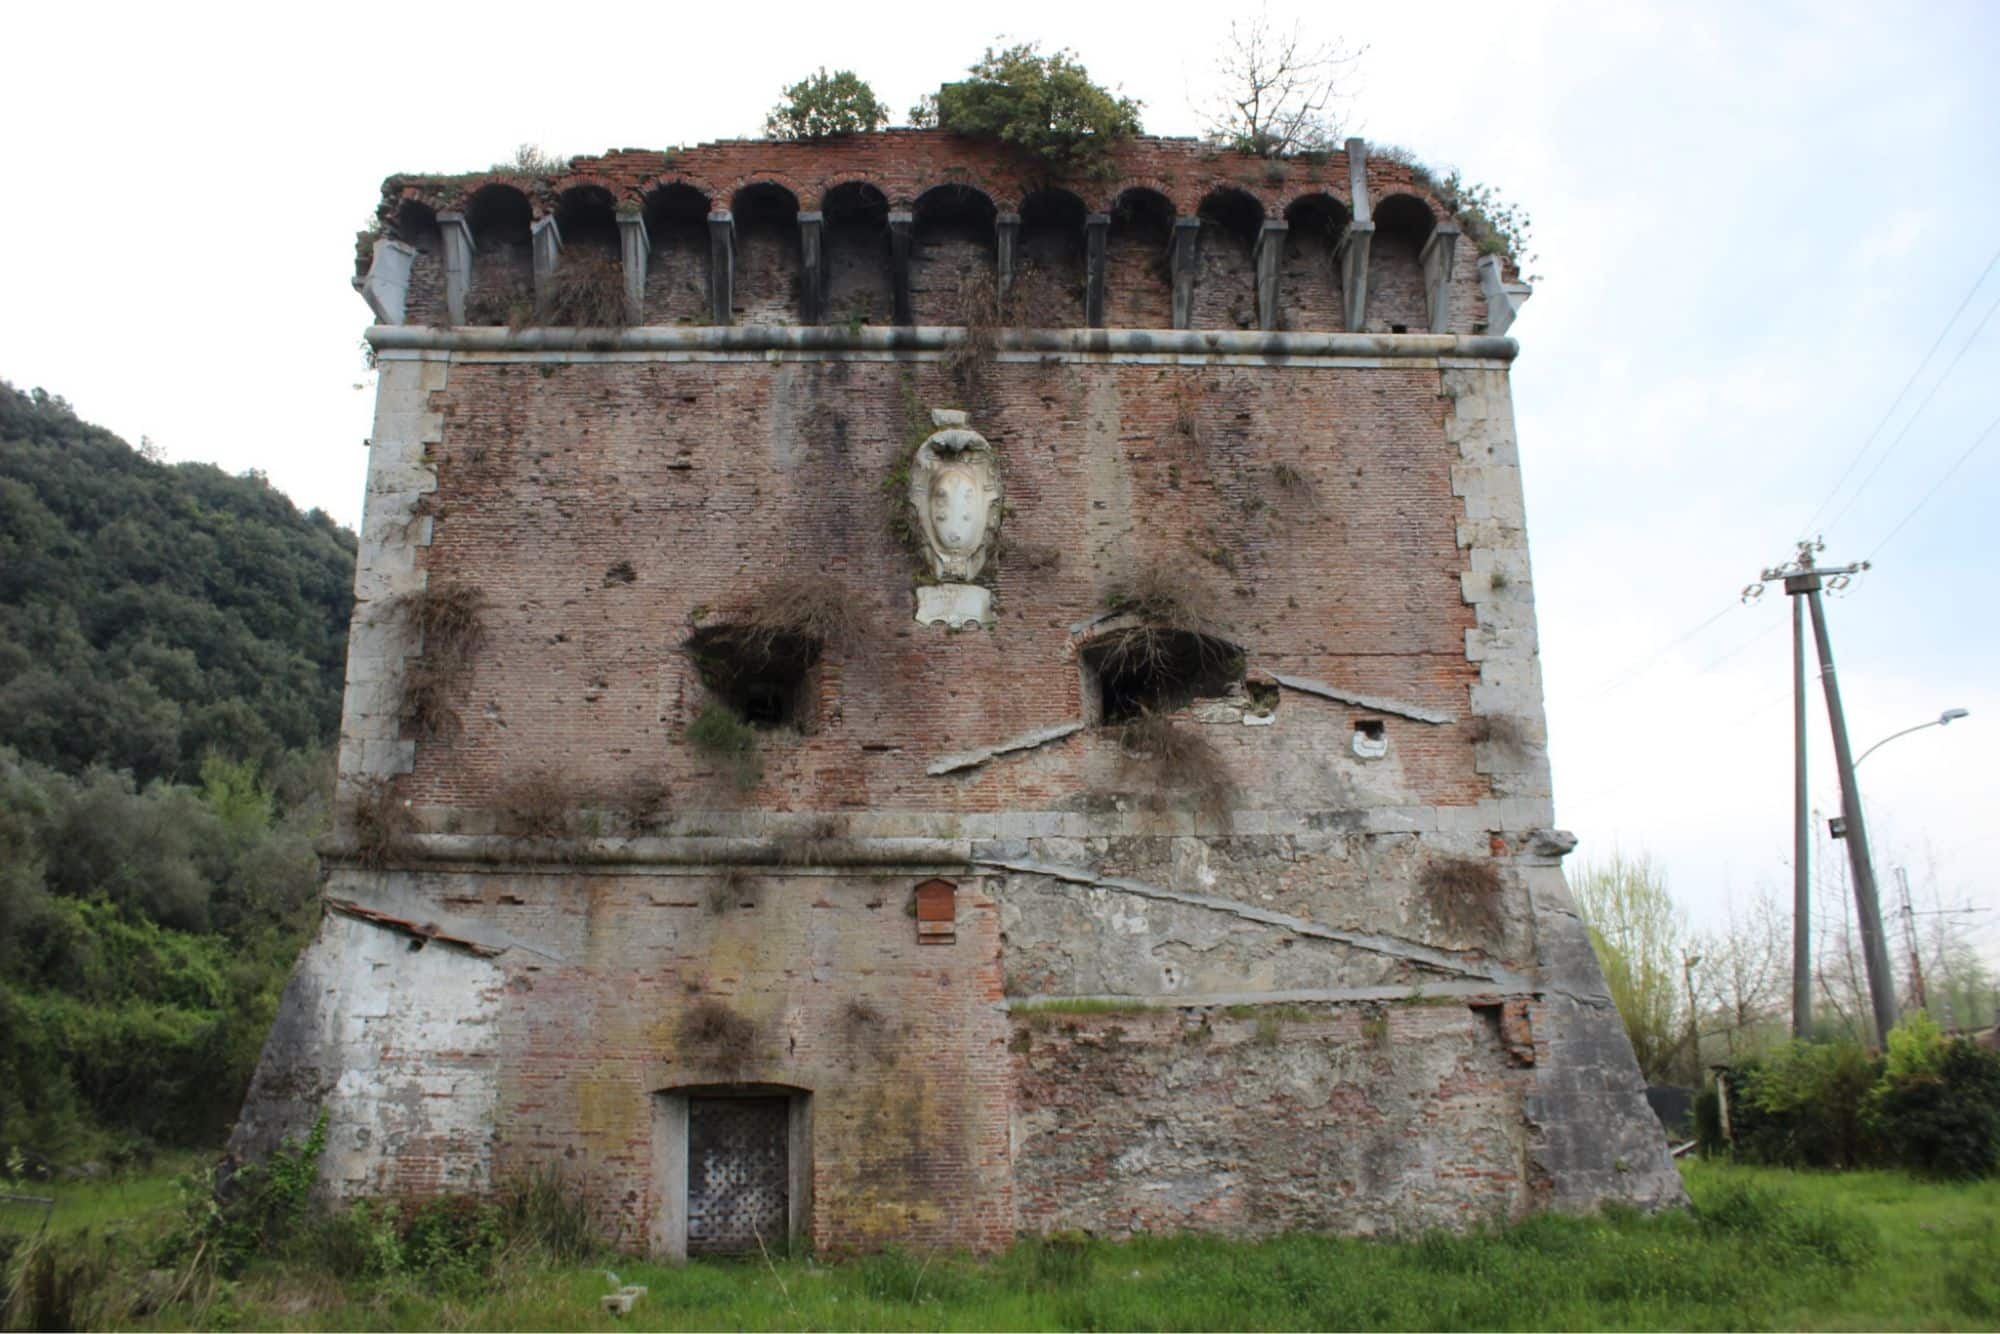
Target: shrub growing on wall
x,y
822,105
1046,105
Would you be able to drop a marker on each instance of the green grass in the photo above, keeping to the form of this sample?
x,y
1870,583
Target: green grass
x,y
1763,1248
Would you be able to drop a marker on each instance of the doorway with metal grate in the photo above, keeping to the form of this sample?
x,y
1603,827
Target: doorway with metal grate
x,y
730,1169
739,1175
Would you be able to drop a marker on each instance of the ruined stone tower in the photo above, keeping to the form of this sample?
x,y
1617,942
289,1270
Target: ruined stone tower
x,y
895,701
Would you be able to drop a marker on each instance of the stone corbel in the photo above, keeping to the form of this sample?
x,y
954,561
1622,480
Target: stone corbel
x,y
1359,238
1007,239
635,245
902,229
1352,257
545,243
386,288
721,267
1439,257
1357,180
457,234
1183,262
1096,228
1270,253
812,285
1503,299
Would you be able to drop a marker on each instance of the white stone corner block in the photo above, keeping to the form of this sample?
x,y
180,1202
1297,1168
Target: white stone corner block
x,y
386,289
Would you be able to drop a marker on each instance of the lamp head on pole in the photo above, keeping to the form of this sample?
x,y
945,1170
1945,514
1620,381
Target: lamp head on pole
x,y
1949,714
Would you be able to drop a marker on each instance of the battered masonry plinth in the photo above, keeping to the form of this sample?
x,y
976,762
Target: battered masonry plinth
x,y
957,957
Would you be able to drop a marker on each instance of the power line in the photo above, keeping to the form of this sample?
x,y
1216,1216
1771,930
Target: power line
x,y
1652,660
1936,384
1897,401
1938,486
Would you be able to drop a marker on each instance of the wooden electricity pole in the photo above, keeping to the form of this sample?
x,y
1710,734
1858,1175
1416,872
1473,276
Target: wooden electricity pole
x,y
1803,580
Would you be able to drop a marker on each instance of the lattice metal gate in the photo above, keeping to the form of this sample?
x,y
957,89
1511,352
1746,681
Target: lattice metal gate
x,y
739,1170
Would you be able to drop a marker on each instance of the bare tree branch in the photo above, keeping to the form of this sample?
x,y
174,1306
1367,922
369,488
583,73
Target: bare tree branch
x,y
1279,95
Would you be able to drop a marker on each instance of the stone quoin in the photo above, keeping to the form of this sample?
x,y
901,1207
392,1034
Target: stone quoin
x,y
954,706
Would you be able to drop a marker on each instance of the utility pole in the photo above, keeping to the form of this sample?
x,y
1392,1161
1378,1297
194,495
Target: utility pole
x,y
1801,834
1917,996
1804,579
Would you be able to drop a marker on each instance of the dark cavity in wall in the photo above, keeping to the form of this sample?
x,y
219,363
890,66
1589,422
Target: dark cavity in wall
x,y
1050,276
677,272
767,255
503,267
1309,290
954,250
1225,294
1395,270
859,289
1147,670
760,677
1138,291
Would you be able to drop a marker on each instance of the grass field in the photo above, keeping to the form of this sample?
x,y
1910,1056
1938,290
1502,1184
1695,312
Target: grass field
x,y
1761,1249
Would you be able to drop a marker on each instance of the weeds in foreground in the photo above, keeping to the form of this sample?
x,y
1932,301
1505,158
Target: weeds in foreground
x,y
1762,1248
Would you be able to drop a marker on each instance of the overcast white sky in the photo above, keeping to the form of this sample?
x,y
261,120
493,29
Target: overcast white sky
x,y
1754,222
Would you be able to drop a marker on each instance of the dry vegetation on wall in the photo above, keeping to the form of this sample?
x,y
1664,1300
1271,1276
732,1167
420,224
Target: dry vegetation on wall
x,y
1174,610
540,803
447,621
715,1034
816,608
378,821
1177,763
1462,892
587,290
511,303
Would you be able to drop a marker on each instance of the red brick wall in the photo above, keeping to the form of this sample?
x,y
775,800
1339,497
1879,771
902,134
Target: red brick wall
x,y
710,477
902,1046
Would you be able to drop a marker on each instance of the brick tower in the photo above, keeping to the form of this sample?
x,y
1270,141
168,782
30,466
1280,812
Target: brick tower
x,y
894,701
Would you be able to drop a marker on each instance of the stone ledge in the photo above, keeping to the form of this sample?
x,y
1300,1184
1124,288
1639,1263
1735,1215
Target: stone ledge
x,y
920,339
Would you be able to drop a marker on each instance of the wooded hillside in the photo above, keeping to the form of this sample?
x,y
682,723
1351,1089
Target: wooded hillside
x,y
172,645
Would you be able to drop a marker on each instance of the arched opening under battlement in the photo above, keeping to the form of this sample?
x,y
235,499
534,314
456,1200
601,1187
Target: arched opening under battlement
x,y
1049,273
1138,286
1226,286
765,286
952,260
587,218
503,266
677,270
415,224
860,288
1396,302
1309,286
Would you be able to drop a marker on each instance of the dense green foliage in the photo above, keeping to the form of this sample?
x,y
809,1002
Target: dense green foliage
x,y
1044,105
172,642
1761,1249
1931,1106
151,614
822,105
144,936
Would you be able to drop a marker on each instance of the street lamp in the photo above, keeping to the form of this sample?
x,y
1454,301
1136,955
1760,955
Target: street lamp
x,y
1942,720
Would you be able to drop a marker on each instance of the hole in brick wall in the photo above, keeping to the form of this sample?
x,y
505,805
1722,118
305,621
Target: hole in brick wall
x,y
1396,299
1309,285
767,254
1129,674
761,677
677,275
1371,738
1138,293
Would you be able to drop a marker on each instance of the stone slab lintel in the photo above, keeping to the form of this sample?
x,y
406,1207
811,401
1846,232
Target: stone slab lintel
x,y
902,236
1096,228
635,245
1357,180
970,759
1184,262
812,278
1414,712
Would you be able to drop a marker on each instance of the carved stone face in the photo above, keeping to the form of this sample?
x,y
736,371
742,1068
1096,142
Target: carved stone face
x,y
958,508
